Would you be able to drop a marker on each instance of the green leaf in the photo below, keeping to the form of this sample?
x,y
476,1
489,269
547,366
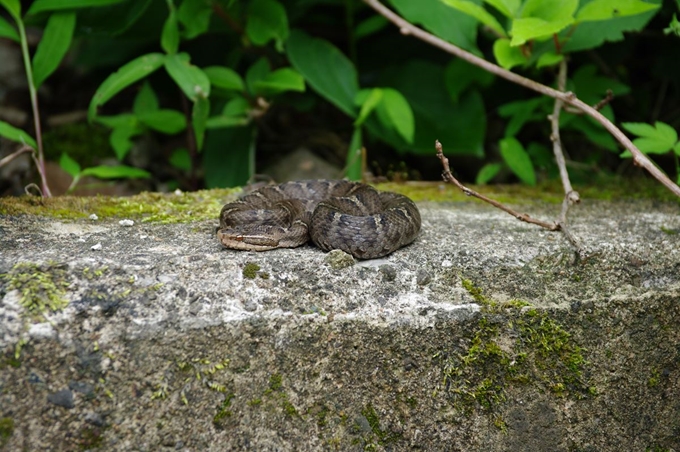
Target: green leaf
x,y
592,130
170,33
487,172
372,25
54,5
508,8
395,112
460,75
225,78
125,76
460,126
479,13
199,119
506,55
115,172
121,138
237,107
529,28
654,140
589,35
181,159
591,87
549,10
281,80
8,31
673,27
367,99
608,9
235,113
14,134
549,59
14,8
676,148
164,120
445,22
256,72
327,70
191,80
518,160
194,15
267,20
53,46
146,100
520,112
122,120
69,165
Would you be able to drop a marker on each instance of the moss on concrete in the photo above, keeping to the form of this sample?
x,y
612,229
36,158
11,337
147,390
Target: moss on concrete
x,y
6,430
178,207
512,343
42,288
605,188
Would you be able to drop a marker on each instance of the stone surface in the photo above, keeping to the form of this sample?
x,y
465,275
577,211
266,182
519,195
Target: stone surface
x,y
167,343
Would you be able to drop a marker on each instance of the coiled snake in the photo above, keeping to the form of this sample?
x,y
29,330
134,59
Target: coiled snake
x,y
336,214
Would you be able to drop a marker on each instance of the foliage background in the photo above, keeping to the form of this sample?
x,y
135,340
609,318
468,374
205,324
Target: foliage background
x,y
341,78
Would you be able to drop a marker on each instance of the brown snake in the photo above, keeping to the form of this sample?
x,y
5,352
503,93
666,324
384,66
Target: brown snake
x,y
335,214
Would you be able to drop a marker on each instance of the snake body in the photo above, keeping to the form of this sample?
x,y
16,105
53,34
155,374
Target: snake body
x,y
335,214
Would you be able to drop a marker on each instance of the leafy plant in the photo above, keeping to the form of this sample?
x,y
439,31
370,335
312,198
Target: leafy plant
x,y
658,139
228,68
56,40
541,33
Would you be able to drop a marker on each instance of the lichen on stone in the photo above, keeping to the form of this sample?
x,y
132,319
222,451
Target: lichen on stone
x,y
42,288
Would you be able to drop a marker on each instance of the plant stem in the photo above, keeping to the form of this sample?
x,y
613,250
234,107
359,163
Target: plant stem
x,y
639,159
34,104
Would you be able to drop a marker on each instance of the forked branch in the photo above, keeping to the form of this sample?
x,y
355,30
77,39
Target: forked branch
x,y
568,97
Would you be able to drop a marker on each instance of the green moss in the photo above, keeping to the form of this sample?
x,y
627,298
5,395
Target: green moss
x,y
379,436
275,382
513,345
90,274
250,270
90,438
223,410
275,391
603,188
145,207
6,430
322,416
668,231
653,381
41,288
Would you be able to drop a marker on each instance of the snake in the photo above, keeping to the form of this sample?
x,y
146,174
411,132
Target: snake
x,y
335,214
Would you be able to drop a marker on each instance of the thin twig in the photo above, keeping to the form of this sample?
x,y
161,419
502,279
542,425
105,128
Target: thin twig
x,y
448,176
22,150
598,106
571,196
555,130
40,160
568,97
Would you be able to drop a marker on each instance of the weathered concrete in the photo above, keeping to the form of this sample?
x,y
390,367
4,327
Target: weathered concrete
x,y
472,338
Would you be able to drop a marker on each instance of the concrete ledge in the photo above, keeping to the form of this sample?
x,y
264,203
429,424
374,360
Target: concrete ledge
x,y
484,334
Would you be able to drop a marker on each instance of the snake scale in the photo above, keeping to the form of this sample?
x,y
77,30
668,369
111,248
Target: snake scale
x,y
335,214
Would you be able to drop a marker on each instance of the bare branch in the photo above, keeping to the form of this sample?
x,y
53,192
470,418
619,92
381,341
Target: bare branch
x,y
571,196
15,154
448,176
568,98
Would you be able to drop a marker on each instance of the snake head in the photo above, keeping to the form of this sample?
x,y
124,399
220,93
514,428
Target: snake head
x,y
246,240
